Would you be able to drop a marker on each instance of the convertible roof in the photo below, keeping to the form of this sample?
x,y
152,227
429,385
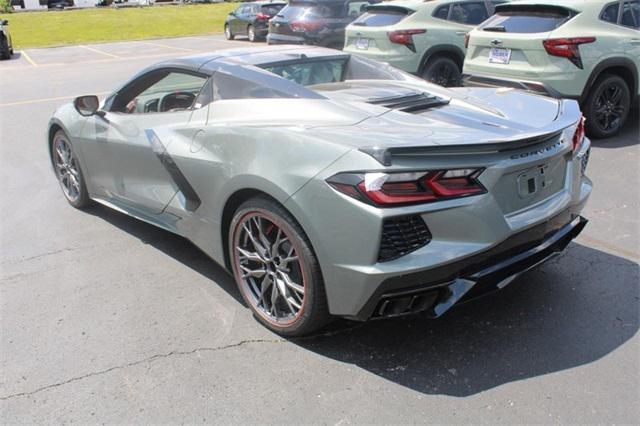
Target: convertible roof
x,y
208,63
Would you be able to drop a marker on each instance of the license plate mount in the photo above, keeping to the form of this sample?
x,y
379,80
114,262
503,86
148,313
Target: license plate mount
x,y
362,43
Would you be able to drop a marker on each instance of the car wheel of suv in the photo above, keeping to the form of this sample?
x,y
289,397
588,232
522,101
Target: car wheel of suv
x,y
442,71
68,172
607,106
275,268
251,34
227,32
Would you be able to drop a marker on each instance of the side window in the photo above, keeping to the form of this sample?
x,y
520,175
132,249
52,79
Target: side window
x,y
442,12
227,86
356,8
471,13
610,13
238,10
160,91
631,14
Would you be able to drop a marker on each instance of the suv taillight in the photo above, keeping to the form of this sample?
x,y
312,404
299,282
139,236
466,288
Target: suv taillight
x,y
403,188
263,17
578,136
567,48
304,26
405,37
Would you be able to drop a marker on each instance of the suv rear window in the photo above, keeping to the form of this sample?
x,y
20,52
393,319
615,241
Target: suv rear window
x,y
381,17
271,9
527,20
313,10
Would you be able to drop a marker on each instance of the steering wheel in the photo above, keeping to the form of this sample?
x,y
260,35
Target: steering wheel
x,y
176,101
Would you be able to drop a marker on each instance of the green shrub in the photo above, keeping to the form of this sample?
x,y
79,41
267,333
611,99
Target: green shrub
x,y
5,6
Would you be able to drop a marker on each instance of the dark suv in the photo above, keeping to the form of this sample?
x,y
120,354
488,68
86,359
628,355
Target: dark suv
x,y
320,22
251,19
6,47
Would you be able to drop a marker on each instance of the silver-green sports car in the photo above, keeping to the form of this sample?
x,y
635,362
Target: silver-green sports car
x,y
329,184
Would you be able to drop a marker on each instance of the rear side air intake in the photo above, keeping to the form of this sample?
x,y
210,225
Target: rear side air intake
x,y
402,235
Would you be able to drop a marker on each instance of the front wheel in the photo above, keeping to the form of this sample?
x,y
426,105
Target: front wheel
x,y
275,269
227,32
607,106
68,172
442,71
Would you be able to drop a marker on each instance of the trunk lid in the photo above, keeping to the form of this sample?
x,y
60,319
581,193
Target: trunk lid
x,y
369,33
512,40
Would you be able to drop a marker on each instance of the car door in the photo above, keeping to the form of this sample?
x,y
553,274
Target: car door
x,y
240,23
630,20
122,152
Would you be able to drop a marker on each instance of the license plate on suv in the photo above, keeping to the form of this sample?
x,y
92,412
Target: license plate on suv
x,y
362,43
498,55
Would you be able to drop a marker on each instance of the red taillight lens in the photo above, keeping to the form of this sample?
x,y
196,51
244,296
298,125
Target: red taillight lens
x,y
405,37
262,17
567,48
466,41
578,136
302,26
393,189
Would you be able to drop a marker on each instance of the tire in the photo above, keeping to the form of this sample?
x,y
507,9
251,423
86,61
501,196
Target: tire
x,y
607,106
289,269
68,171
251,34
5,52
227,32
442,71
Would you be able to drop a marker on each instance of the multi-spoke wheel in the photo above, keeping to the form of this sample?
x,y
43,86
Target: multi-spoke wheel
x,y
68,171
276,269
607,106
251,34
442,71
227,32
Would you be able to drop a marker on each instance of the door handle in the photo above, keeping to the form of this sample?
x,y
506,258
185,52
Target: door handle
x,y
461,32
635,41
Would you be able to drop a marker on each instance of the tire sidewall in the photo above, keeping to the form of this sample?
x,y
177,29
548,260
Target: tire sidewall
x,y
227,32
309,266
433,64
593,129
251,34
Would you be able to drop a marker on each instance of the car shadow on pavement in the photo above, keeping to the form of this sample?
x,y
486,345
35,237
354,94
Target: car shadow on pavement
x,y
570,312
628,136
172,245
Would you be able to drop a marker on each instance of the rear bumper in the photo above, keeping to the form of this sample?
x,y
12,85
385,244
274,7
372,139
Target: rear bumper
x,y
409,62
536,87
435,291
284,39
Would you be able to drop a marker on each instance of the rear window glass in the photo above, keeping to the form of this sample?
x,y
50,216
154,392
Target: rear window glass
x,y
271,9
311,72
311,10
380,18
527,21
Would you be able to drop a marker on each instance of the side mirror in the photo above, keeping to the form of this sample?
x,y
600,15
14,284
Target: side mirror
x,y
87,105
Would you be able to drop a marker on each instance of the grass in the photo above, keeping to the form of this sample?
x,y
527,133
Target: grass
x,y
41,29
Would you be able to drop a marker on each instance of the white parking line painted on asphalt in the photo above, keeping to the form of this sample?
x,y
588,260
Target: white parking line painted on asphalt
x,y
28,58
43,100
92,49
184,49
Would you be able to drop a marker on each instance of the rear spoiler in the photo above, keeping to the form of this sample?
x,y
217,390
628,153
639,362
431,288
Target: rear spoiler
x,y
390,8
568,115
534,7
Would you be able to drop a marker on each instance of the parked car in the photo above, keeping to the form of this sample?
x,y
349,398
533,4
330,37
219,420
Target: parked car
x,y
251,19
6,45
399,196
586,50
318,22
423,38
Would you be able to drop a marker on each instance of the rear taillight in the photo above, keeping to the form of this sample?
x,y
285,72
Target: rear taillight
x,y
567,48
263,17
578,136
405,37
303,26
466,41
403,188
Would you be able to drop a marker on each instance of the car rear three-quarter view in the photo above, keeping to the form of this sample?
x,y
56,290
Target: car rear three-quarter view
x,y
331,185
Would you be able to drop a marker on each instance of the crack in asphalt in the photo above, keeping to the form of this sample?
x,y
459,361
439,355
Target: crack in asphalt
x,y
178,353
142,361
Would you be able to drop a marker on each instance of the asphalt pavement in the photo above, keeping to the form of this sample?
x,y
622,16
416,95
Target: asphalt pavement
x,y
105,319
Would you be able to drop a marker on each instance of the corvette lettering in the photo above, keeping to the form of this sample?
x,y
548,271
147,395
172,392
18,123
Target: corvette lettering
x,y
540,151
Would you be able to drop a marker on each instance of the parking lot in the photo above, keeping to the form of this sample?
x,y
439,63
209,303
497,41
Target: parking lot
x,y
107,319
